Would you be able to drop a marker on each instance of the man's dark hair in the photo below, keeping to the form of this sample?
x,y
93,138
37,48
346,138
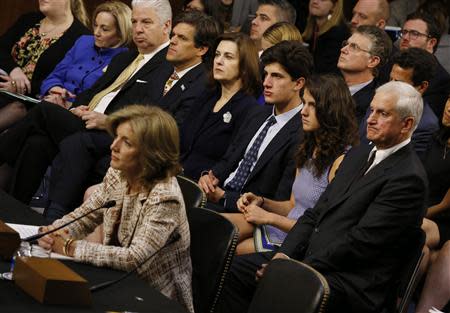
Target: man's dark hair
x,y
381,43
420,61
286,12
433,27
292,56
206,30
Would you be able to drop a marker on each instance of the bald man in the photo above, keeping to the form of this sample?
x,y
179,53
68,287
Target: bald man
x,y
370,12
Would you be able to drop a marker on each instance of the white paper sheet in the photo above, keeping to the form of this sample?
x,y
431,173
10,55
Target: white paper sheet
x,y
30,230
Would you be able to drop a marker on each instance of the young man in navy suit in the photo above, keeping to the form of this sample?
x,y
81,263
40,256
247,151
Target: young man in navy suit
x,y
365,225
260,158
83,161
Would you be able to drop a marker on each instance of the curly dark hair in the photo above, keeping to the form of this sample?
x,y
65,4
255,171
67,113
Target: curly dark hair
x,y
335,112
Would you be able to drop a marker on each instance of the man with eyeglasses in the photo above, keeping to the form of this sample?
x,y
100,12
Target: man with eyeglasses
x,y
421,30
361,57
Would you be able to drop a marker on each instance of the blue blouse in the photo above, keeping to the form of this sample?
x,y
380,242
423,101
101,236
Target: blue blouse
x,y
81,67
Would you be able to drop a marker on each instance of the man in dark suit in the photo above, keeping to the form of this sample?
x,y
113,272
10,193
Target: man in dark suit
x,y
84,156
416,67
365,224
421,30
362,55
260,158
30,146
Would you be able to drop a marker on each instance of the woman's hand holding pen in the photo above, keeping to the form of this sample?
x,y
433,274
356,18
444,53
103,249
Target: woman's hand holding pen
x,y
59,96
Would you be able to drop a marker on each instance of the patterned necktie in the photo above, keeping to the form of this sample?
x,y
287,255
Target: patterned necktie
x,y
249,158
118,83
169,82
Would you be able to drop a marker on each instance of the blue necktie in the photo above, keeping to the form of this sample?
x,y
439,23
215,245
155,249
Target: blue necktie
x,y
249,158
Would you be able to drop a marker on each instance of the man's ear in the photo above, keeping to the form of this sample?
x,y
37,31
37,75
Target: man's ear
x,y
432,42
408,123
423,87
374,61
201,51
300,83
167,26
381,23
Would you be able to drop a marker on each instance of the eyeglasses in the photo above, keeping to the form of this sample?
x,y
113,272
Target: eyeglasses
x,y
353,47
413,34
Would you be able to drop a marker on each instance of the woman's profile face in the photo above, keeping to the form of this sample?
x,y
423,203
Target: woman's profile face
x,y
446,115
125,151
309,117
105,31
226,62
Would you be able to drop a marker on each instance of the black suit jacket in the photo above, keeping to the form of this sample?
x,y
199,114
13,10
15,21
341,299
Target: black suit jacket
x,y
362,100
274,172
438,90
362,228
205,136
143,88
180,98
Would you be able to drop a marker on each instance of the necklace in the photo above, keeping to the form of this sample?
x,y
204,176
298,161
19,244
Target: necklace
x,y
50,31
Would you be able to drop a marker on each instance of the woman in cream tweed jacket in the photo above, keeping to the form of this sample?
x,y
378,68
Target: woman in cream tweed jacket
x,y
148,212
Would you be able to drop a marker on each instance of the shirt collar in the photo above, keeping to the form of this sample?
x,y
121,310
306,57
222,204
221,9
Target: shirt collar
x,y
150,55
183,72
384,153
286,116
355,88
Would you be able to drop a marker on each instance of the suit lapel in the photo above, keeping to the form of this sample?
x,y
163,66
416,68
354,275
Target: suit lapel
x,y
148,67
184,83
376,173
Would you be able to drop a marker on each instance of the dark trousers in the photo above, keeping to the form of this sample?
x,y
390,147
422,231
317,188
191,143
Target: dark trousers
x,y
32,143
82,161
241,284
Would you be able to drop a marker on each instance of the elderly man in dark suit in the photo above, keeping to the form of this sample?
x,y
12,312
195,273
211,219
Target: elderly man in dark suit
x,y
260,158
365,223
84,156
131,77
416,67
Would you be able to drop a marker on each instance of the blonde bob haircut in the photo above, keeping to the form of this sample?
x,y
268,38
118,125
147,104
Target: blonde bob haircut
x,y
335,18
156,135
282,31
122,15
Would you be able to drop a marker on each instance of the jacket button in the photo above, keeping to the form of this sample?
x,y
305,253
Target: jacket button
x,y
316,230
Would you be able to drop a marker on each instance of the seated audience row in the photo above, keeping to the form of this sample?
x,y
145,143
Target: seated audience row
x,y
33,46
263,165
329,127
